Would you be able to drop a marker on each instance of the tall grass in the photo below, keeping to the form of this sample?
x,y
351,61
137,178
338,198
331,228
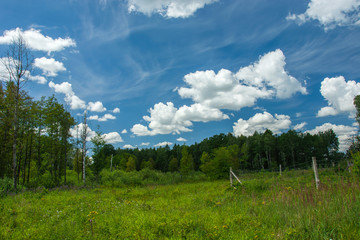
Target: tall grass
x,y
266,206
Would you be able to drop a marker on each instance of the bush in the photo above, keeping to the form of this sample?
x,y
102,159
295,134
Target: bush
x,y
6,185
119,178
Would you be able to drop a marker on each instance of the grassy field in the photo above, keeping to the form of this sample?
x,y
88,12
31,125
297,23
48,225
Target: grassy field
x,y
266,206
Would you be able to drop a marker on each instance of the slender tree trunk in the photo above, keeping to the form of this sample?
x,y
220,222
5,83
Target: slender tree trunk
x,y
65,160
39,153
25,159
15,138
84,135
77,163
30,152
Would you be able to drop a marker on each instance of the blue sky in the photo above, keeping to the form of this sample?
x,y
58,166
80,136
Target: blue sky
x,y
178,71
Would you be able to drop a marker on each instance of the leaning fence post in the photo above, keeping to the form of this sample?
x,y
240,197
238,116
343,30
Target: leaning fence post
x,y
231,180
317,180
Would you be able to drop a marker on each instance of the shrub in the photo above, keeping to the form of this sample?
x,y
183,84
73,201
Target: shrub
x,y
6,185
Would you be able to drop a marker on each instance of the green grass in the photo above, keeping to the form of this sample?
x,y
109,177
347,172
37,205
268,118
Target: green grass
x,y
266,206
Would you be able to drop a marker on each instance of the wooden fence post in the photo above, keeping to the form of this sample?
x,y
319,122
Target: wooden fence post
x,y
317,180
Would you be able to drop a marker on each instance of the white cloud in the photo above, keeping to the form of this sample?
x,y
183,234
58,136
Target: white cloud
x,y
181,139
199,113
128,146
327,111
331,13
70,97
300,126
38,79
344,133
260,122
221,90
212,92
225,90
49,66
112,137
270,72
340,96
166,119
124,131
96,107
103,118
168,8
141,130
37,41
145,144
116,110
163,144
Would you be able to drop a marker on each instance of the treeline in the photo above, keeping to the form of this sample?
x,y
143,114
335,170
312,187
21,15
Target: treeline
x,y
215,155
43,145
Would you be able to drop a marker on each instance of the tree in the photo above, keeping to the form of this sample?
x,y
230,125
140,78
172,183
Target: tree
x,y
18,63
131,164
186,161
84,135
357,107
98,158
173,164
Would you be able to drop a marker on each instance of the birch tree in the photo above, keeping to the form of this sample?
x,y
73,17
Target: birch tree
x,y
18,64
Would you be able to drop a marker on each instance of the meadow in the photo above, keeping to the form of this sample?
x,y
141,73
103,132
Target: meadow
x,y
266,206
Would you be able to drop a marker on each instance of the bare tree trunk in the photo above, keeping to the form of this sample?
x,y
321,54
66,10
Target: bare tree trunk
x,y
15,136
84,135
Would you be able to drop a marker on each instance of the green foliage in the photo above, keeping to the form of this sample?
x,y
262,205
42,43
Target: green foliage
x,y
131,164
6,186
356,162
173,164
217,166
186,162
265,207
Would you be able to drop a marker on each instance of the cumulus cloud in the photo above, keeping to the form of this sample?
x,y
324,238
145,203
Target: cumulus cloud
x,y
260,122
330,13
128,146
116,110
270,72
103,118
70,98
163,144
168,8
340,96
212,92
112,137
300,126
166,119
37,41
181,139
49,66
225,90
145,144
124,131
344,133
39,79
96,107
